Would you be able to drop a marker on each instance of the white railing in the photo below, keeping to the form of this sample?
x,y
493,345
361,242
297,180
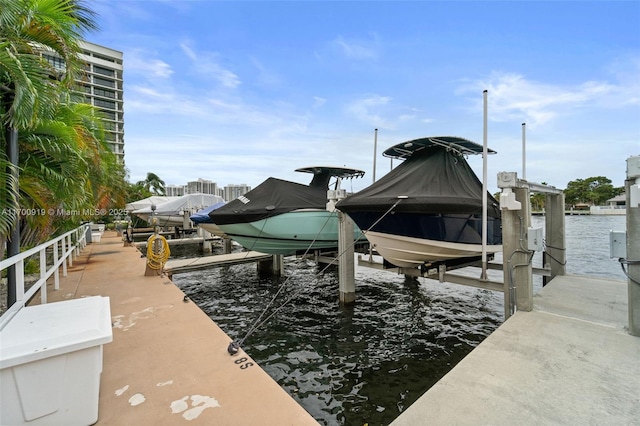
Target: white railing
x,y
63,249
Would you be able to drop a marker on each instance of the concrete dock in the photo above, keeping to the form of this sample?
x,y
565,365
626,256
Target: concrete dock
x,y
570,361
168,362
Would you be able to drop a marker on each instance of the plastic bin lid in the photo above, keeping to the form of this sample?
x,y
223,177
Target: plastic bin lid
x,y
43,331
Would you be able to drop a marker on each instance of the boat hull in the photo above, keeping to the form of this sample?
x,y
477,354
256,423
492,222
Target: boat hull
x,y
213,229
411,252
415,239
289,233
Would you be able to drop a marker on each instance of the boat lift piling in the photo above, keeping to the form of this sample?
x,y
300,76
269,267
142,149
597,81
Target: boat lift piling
x,y
632,186
520,240
346,250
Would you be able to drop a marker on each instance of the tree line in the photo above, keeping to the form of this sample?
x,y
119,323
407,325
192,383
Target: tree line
x,y
594,191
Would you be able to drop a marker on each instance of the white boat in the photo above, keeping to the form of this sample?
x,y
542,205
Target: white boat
x,y
428,210
172,213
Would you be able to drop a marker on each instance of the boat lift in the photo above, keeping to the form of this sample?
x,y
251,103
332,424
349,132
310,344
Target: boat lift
x,y
519,242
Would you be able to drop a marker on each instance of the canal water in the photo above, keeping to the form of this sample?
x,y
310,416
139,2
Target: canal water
x,y
367,363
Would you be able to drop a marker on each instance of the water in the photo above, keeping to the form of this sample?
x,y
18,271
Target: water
x,y
368,363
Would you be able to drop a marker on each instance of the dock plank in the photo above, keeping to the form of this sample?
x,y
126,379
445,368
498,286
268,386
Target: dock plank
x,y
174,266
168,362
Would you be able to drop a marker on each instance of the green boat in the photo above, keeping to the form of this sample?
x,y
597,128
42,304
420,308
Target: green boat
x,y
283,217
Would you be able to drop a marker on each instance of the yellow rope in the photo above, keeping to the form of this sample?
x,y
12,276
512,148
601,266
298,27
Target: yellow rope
x,y
157,260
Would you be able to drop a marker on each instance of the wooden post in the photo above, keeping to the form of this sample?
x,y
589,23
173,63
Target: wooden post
x,y
555,253
346,265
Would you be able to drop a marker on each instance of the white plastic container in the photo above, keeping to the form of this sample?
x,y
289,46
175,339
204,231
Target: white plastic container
x,y
51,361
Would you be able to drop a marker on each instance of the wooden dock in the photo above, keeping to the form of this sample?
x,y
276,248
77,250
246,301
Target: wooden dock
x,y
177,266
570,361
168,362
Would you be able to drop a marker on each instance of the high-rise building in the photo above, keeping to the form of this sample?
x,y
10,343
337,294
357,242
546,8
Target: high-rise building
x,y
233,191
175,190
202,186
102,86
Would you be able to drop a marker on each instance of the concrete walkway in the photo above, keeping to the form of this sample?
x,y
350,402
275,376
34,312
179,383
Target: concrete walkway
x,y
168,362
570,361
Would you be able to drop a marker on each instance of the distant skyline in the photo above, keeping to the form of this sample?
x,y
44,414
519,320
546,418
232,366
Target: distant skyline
x,y
236,92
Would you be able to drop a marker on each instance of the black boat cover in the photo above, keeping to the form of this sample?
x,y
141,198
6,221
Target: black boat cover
x,y
272,197
434,180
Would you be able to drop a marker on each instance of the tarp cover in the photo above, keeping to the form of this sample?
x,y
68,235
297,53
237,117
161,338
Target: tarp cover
x,y
202,216
272,197
434,180
187,202
146,202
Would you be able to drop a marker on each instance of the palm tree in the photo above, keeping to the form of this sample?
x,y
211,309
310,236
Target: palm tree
x,y
153,184
29,94
30,87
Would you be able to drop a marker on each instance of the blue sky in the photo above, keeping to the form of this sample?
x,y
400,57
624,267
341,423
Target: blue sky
x,y
239,91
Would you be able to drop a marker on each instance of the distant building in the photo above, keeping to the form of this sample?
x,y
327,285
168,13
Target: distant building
x,y
175,190
231,192
202,186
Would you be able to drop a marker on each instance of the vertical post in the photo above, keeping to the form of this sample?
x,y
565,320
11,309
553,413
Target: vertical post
x,y
346,265
13,243
275,266
485,152
56,274
518,279
524,152
632,186
555,251
43,272
375,153
226,242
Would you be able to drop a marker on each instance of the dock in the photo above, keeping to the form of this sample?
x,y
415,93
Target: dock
x,y
569,361
175,266
168,362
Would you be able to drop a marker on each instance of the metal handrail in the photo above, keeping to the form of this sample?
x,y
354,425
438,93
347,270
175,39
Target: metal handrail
x,y
64,248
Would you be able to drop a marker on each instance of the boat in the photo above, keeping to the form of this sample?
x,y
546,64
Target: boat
x,y
283,217
428,210
172,213
203,220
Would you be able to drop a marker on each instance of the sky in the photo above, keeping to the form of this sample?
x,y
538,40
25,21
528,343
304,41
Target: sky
x,y
239,91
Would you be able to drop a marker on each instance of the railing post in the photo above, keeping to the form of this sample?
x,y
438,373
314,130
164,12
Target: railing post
x,y
20,281
43,274
56,274
70,248
63,241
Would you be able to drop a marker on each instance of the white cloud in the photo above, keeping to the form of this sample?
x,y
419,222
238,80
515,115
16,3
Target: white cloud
x,y
206,63
356,49
368,110
512,97
318,101
137,62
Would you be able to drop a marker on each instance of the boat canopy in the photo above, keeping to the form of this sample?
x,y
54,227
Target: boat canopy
x,y
272,197
432,180
460,146
322,174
